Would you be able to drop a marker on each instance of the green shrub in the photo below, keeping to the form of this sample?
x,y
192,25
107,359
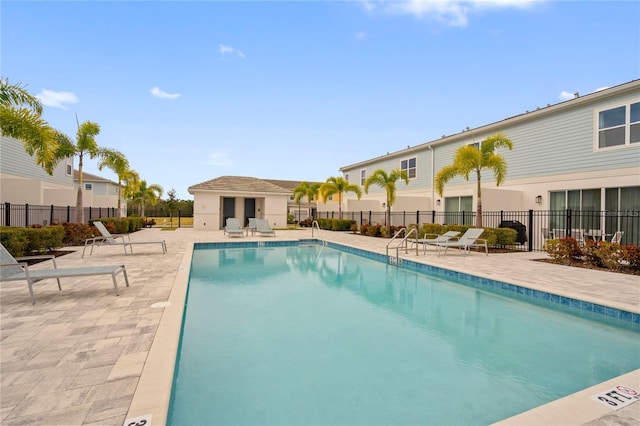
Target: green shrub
x,y
374,230
504,237
14,240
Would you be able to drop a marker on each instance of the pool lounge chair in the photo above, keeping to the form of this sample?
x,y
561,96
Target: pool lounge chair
x,y
253,225
12,269
108,239
439,238
469,239
263,228
233,228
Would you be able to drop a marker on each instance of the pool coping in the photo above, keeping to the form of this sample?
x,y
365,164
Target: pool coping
x,y
151,399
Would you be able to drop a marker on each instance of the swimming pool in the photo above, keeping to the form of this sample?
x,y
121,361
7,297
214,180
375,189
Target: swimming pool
x,y
305,334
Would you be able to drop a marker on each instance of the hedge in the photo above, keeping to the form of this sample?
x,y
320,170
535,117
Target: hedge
x,y
25,241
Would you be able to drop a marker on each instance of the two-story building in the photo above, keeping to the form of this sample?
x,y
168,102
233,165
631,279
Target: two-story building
x,y
22,181
582,154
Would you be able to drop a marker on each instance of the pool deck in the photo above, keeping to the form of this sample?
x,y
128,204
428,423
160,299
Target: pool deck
x,y
85,356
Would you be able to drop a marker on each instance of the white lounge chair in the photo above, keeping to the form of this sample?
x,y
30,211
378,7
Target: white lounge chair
x,y
106,238
253,225
440,238
233,228
469,239
11,269
263,228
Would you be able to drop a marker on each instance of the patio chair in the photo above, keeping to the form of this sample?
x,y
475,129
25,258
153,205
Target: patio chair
x,y
233,228
439,238
617,237
469,239
14,269
263,227
108,239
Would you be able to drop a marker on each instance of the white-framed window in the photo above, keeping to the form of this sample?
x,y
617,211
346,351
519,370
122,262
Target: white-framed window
x,y
363,176
409,166
88,186
618,126
346,177
68,170
476,144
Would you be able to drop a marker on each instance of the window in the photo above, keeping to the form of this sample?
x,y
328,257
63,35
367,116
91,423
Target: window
x,y
409,166
619,126
476,144
363,177
88,186
346,177
68,170
459,210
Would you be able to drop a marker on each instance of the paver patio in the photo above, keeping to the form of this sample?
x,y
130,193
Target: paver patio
x,y
76,356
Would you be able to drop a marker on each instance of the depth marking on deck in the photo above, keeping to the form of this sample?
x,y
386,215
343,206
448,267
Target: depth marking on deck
x,y
138,421
618,397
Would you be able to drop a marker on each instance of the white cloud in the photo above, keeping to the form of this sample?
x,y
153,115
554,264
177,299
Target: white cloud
x,y
219,159
228,50
454,13
360,35
565,96
161,94
57,99
601,88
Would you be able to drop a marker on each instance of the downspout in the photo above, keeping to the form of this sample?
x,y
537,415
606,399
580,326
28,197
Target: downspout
x,y
433,189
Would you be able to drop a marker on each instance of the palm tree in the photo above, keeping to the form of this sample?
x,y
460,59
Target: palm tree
x,y
306,190
470,158
338,185
146,194
21,118
388,182
118,163
85,145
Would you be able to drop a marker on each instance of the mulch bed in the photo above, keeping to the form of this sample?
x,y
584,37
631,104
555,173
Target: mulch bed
x,y
56,253
586,265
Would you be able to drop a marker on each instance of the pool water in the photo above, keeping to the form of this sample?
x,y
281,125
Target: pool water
x,y
310,335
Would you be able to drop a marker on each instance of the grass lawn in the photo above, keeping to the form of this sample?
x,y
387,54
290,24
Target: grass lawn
x,y
160,221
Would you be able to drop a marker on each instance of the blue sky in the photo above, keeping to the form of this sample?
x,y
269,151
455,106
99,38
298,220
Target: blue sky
x,y
190,91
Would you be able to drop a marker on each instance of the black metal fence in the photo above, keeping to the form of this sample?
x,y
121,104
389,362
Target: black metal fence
x,y
23,215
534,227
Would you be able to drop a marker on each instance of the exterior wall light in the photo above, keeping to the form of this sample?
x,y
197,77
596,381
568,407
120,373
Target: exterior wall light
x,y
539,199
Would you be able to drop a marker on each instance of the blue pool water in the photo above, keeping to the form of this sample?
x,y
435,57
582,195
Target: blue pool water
x,y
311,335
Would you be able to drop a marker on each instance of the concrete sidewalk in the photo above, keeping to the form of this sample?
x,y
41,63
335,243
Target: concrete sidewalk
x,y
76,356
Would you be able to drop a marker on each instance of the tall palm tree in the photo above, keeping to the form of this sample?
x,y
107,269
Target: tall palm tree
x,y
306,190
21,118
338,185
470,158
146,194
118,163
388,182
85,145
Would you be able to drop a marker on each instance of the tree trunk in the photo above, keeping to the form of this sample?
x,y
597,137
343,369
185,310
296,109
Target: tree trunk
x,y
479,208
79,206
119,212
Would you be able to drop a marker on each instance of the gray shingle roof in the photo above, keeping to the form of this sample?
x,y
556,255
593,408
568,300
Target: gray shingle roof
x,y
239,184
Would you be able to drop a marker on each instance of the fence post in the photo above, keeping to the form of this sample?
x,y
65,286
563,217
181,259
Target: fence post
x,y
568,223
68,214
178,218
26,215
51,216
433,216
90,213
7,213
530,230
369,217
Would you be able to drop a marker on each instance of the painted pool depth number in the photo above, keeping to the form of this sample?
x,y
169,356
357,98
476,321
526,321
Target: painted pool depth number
x,y
618,397
138,421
